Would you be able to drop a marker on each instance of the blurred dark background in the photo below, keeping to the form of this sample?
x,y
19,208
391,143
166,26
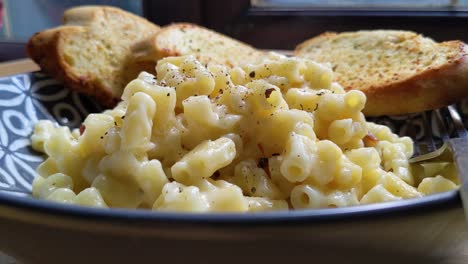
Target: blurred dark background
x,y
268,24
281,24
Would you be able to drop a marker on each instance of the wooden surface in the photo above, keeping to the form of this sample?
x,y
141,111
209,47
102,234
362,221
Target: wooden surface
x,y
17,66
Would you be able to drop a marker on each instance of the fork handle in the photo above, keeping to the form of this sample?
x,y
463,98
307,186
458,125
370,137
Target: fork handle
x,y
459,147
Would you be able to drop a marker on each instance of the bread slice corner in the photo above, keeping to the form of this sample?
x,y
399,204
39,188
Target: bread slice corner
x,y
91,53
399,71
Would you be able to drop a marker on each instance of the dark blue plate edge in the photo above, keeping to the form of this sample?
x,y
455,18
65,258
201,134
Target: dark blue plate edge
x,y
405,208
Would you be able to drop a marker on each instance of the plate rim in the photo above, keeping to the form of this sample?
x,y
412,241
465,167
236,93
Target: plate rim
x,y
403,208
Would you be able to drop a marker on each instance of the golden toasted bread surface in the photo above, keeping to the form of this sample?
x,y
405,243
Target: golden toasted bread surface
x,y
91,51
399,71
206,45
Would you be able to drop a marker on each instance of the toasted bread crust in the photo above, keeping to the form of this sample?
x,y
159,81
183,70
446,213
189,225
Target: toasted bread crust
x,y
429,87
305,44
161,45
46,48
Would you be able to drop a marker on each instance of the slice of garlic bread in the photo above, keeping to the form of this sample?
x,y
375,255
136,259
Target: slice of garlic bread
x,y
399,71
206,45
91,53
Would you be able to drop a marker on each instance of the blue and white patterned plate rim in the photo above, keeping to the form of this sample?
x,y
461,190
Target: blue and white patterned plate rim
x,y
25,99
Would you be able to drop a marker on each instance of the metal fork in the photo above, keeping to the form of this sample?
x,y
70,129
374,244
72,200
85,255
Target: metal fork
x,y
428,151
455,149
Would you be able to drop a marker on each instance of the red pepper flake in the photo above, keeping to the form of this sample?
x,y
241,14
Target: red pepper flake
x,y
370,140
216,175
260,147
268,92
82,129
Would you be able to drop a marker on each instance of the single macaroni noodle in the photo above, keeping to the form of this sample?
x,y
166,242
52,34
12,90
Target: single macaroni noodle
x,y
204,138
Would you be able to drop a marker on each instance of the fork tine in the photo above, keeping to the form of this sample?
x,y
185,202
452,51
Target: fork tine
x,y
441,126
429,140
457,121
444,123
412,132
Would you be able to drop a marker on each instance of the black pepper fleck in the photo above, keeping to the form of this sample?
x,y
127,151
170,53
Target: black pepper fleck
x,y
262,162
252,74
268,92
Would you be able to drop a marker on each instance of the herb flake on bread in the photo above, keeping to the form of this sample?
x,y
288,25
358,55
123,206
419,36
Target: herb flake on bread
x,y
205,45
399,71
91,52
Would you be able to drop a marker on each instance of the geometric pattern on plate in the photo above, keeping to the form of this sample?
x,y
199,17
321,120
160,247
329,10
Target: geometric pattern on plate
x,y
25,99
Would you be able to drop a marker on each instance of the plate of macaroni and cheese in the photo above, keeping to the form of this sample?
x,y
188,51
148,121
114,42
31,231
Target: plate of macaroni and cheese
x,y
278,135
203,148
264,150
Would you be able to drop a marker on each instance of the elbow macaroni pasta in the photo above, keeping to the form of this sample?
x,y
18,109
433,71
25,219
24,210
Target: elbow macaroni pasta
x,y
273,136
